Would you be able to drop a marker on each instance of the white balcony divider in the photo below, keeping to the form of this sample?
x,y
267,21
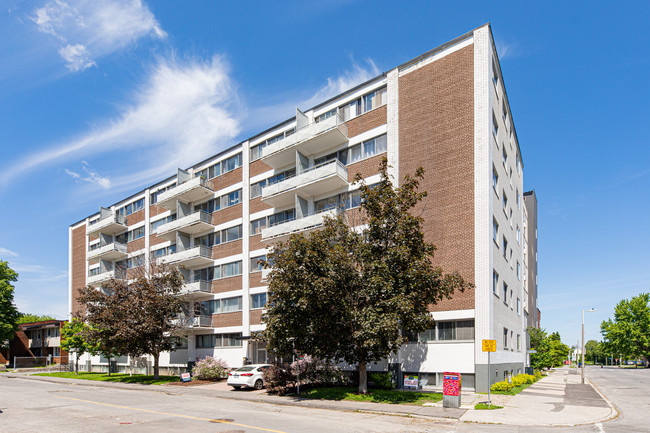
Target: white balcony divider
x,y
105,276
321,171
193,218
196,287
306,133
114,246
297,225
108,221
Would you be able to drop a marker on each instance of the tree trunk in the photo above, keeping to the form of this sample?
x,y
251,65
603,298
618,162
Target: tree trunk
x,y
76,365
109,366
156,365
363,378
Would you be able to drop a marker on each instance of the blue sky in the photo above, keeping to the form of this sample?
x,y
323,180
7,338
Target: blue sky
x,y
99,99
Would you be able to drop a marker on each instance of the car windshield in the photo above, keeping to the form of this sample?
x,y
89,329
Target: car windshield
x,y
245,369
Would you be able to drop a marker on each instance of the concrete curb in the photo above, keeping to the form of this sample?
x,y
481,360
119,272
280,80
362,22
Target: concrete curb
x,y
615,410
424,412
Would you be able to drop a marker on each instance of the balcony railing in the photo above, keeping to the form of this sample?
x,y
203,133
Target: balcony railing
x,y
193,321
193,223
316,137
194,189
197,289
110,225
98,279
192,257
112,251
324,178
306,224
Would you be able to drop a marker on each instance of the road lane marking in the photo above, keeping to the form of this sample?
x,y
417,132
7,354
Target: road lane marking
x,y
169,414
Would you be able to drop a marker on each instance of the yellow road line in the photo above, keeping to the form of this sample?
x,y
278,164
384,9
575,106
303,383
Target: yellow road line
x,y
169,414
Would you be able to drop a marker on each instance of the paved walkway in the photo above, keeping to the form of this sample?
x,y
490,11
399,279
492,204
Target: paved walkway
x,y
557,400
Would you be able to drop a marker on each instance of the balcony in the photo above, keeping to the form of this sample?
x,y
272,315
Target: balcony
x,y
192,257
197,290
101,278
111,225
281,232
193,223
310,139
113,251
192,190
193,321
321,179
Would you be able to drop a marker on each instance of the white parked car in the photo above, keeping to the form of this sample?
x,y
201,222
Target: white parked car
x,y
250,376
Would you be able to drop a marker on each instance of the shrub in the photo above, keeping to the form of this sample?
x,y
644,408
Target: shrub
x,y
278,379
317,372
210,368
382,380
502,386
522,379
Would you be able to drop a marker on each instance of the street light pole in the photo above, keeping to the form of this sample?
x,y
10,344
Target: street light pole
x,y
582,367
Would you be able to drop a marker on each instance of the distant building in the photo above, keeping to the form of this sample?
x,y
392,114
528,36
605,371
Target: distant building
x,y
446,110
38,340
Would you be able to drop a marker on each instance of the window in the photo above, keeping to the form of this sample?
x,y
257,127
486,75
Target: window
x,y
231,269
495,179
230,199
132,207
346,200
518,235
208,206
495,74
505,248
156,224
57,351
364,104
504,201
325,116
258,300
366,149
518,342
495,231
231,234
154,196
505,293
518,306
256,266
518,270
446,331
231,163
257,226
131,235
132,262
164,251
227,305
505,156
221,167
516,193
281,217
218,340
495,125
505,338
256,188
495,282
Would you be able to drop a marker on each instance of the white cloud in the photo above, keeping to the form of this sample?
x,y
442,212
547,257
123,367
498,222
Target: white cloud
x,y
7,252
90,29
181,114
506,49
91,176
76,57
357,74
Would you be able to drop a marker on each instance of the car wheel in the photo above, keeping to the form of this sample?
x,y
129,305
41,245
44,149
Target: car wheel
x,y
237,387
259,384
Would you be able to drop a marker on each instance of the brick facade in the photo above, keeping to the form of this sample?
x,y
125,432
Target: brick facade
x,y
227,214
135,217
256,316
78,265
227,249
367,121
226,284
436,130
227,319
258,167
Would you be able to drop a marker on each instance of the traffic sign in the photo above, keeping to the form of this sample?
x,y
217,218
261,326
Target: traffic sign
x,y
489,345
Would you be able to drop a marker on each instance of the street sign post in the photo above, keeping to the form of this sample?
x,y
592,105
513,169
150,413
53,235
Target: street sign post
x,y
489,346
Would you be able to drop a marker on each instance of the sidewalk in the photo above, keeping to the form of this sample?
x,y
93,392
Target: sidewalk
x,y
557,400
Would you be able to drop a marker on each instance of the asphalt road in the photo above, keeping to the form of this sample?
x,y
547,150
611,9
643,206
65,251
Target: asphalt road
x,y
33,406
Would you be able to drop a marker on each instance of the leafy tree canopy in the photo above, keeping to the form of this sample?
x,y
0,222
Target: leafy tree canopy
x,y
551,352
629,332
346,293
9,315
28,318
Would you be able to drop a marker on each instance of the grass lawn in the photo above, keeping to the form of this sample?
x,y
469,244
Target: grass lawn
x,y
115,377
374,395
484,406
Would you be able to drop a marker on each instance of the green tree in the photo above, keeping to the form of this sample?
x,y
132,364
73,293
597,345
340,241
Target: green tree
x,y
594,351
28,318
347,294
629,332
551,352
9,315
135,318
74,338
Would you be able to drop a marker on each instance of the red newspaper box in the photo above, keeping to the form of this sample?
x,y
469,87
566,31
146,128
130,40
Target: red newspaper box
x,y
451,386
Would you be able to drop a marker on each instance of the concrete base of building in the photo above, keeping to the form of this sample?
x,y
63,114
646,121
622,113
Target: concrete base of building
x,y
497,373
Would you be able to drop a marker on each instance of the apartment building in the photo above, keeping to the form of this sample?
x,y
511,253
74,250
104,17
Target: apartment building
x,y
446,110
36,341
530,257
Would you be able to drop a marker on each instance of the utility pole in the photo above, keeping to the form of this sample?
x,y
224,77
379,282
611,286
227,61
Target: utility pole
x,y
582,370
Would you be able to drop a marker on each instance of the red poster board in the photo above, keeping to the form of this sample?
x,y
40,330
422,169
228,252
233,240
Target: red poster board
x,y
451,384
